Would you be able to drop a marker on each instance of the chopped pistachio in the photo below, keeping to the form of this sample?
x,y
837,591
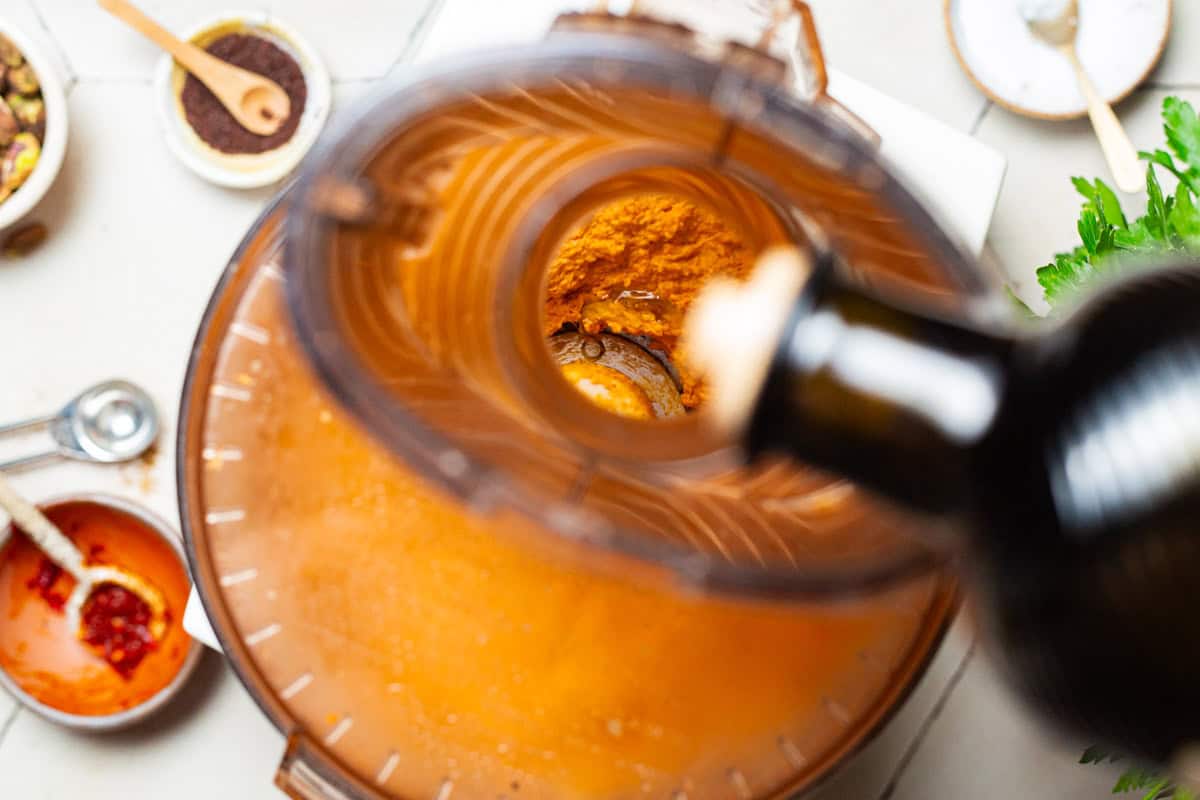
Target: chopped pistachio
x,y
29,111
19,160
10,126
24,240
23,79
10,56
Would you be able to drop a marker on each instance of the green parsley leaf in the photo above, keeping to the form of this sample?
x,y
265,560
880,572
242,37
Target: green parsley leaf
x,y
1163,159
1097,755
1156,207
1185,219
1090,230
1109,241
1182,128
1110,206
1068,273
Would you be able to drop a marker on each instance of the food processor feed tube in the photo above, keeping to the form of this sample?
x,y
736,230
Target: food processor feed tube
x,y
1069,461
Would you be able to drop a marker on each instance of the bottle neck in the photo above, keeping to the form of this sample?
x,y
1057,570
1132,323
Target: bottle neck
x,y
896,398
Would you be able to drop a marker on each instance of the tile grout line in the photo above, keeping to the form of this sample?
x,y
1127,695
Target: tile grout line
x,y
914,746
8,723
427,18
102,80
72,74
1169,86
988,105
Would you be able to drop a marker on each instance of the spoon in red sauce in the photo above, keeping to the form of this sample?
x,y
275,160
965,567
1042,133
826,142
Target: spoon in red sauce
x,y
106,591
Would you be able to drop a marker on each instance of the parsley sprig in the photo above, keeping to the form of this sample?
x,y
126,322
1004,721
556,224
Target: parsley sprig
x,y
1138,780
1109,242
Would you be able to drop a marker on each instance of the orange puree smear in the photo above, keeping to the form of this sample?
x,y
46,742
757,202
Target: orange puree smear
x,y
609,389
38,650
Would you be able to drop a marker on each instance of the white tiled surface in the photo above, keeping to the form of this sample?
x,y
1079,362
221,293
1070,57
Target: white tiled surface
x,y
958,736
212,744
900,48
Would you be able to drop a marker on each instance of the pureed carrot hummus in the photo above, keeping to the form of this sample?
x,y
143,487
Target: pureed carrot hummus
x,y
118,666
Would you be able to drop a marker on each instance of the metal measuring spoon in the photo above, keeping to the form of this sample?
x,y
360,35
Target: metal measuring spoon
x,y
110,422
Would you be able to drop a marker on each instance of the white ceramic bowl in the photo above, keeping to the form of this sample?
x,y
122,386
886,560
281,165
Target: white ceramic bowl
x,y
131,716
244,171
54,149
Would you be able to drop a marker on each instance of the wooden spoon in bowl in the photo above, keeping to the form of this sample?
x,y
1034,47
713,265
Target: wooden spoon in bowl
x,y
260,105
63,552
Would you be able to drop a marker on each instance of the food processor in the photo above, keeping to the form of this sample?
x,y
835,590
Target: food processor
x,y
442,571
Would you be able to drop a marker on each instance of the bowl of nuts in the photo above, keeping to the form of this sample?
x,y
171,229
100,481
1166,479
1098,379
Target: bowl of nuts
x,y
33,124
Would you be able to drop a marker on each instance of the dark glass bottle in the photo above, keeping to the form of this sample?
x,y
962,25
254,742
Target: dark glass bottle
x,y
1068,460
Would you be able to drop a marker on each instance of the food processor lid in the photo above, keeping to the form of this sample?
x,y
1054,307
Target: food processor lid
x,y
409,256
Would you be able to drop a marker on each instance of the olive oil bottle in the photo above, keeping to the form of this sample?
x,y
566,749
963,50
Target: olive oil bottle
x,y
1066,462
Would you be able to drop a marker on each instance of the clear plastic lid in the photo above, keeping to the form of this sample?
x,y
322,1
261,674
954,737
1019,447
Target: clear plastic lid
x,y
417,255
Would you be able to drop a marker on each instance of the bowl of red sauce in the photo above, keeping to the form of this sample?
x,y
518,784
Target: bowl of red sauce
x,y
115,671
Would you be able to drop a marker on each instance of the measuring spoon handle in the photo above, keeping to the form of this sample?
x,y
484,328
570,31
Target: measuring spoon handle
x,y
31,460
49,539
34,422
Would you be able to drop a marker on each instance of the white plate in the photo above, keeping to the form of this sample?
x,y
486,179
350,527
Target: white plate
x,y
1119,43
245,171
54,149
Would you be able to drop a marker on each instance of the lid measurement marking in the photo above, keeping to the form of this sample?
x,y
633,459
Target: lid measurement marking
x,y
296,687
221,454
230,392
740,785
837,711
251,332
444,791
227,515
339,731
792,753
262,635
389,767
234,578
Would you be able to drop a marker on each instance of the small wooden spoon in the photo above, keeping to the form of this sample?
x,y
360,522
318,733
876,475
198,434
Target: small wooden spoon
x,y
63,552
260,105
1061,32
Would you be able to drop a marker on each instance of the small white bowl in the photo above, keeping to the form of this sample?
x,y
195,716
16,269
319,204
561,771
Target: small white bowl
x,y
244,171
54,148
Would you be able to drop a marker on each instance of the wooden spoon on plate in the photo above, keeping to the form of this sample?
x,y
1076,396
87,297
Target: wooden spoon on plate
x,y
260,105
1057,24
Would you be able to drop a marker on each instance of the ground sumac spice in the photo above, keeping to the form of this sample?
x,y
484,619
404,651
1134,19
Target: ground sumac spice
x,y
215,125
117,623
43,583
